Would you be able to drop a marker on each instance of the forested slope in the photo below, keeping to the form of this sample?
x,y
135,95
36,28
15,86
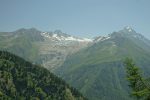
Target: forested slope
x,y
22,80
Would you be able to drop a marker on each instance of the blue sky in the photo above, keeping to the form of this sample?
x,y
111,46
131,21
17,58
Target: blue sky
x,y
86,18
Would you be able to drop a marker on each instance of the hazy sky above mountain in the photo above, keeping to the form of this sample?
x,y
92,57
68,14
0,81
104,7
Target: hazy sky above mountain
x,y
86,18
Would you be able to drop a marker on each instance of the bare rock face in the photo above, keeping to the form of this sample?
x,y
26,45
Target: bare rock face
x,y
57,46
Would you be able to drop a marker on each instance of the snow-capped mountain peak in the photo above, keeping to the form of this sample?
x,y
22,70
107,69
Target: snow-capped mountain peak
x,y
101,38
54,35
61,37
129,29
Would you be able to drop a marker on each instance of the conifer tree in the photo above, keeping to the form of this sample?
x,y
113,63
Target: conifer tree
x,y
139,85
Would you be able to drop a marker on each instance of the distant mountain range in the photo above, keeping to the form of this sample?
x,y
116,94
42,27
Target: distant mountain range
x,y
47,48
93,66
98,70
59,36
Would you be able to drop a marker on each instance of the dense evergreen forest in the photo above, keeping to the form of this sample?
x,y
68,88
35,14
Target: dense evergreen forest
x,y
22,80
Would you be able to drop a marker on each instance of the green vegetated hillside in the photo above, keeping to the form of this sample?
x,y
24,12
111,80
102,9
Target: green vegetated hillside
x,y
21,80
98,71
44,48
22,42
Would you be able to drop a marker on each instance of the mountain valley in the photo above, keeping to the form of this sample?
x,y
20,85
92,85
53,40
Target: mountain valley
x,y
93,66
